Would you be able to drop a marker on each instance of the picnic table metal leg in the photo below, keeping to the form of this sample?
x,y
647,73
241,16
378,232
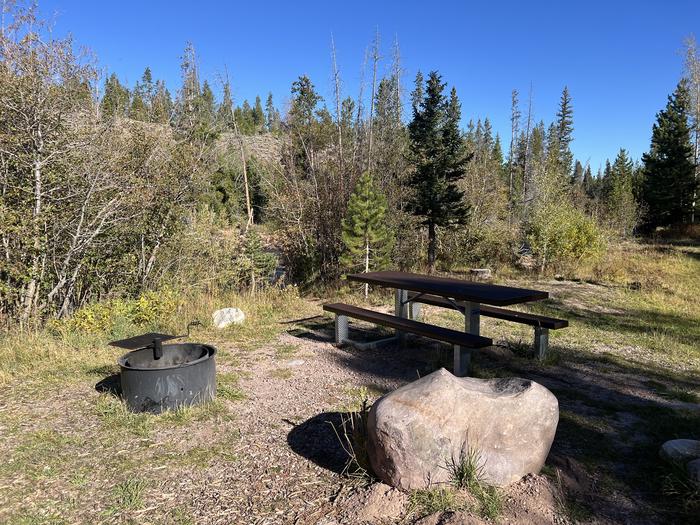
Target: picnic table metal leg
x,y
413,310
472,318
541,342
341,328
463,356
462,361
401,310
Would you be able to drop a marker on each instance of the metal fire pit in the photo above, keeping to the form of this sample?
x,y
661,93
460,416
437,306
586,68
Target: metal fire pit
x,y
156,377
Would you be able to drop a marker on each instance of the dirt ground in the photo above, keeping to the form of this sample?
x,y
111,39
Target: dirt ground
x,y
271,454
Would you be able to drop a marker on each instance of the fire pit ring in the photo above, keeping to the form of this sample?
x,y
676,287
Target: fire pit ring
x,y
157,377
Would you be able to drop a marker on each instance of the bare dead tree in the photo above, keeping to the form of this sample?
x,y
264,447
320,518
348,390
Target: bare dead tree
x,y
514,128
375,64
337,96
692,73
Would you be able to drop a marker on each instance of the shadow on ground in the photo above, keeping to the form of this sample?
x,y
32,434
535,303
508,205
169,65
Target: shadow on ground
x,y
318,440
111,384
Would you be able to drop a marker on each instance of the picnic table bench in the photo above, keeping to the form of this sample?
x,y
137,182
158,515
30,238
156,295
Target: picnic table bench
x,y
471,298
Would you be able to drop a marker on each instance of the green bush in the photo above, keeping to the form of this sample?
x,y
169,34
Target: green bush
x,y
560,235
118,315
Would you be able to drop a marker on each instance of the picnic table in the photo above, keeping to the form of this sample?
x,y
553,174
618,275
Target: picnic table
x,y
473,299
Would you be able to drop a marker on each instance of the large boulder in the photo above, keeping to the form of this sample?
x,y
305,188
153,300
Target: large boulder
x,y
227,316
419,430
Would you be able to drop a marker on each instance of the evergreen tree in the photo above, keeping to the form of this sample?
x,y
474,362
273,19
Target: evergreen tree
x,y
162,106
224,114
440,159
588,182
206,103
258,115
577,176
115,101
138,109
367,239
142,98
244,118
619,204
564,132
272,115
669,172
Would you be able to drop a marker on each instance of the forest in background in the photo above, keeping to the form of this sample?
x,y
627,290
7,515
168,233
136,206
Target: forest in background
x,y
108,192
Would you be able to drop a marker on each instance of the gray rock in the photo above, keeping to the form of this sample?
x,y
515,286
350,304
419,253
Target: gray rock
x,y
415,432
680,450
693,469
295,362
227,316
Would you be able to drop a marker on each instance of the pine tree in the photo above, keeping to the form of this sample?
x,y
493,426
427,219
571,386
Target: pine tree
x,y
258,115
162,106
206,103
577,176
138,109
669,172
224,113
619,203
439,155
564,132
115,101
272,115
367,239
588,182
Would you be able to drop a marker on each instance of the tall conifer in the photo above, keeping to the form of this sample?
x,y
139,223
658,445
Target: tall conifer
x,y
669,172
439,155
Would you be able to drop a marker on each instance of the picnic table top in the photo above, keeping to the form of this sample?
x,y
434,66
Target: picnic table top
x,y
456,289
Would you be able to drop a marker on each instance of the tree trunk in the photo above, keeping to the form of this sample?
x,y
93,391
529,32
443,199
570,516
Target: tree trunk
x,y
248,205
32,287
366,267
432,247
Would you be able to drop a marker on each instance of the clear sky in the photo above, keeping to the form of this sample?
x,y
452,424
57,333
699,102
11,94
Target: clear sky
x,y
620,59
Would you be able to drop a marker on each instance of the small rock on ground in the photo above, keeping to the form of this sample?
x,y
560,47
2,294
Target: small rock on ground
x,y
227,316
680,450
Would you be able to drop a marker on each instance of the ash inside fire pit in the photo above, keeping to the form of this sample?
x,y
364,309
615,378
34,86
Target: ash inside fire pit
x,y
158,377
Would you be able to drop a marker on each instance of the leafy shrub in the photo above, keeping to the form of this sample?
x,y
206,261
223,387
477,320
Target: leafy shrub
x,y
118,315
561,235
490,245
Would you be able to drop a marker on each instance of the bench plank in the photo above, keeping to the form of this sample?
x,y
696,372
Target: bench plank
x,y
407,325
498,313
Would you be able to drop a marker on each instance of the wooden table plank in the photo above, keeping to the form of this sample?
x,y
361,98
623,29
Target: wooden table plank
x,y
453,288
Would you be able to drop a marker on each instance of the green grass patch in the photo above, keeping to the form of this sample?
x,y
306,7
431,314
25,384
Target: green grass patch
x,y
467,473
227,387
437,499
127,495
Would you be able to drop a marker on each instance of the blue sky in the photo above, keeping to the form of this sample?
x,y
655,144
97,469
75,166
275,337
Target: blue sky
x,y
620,59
